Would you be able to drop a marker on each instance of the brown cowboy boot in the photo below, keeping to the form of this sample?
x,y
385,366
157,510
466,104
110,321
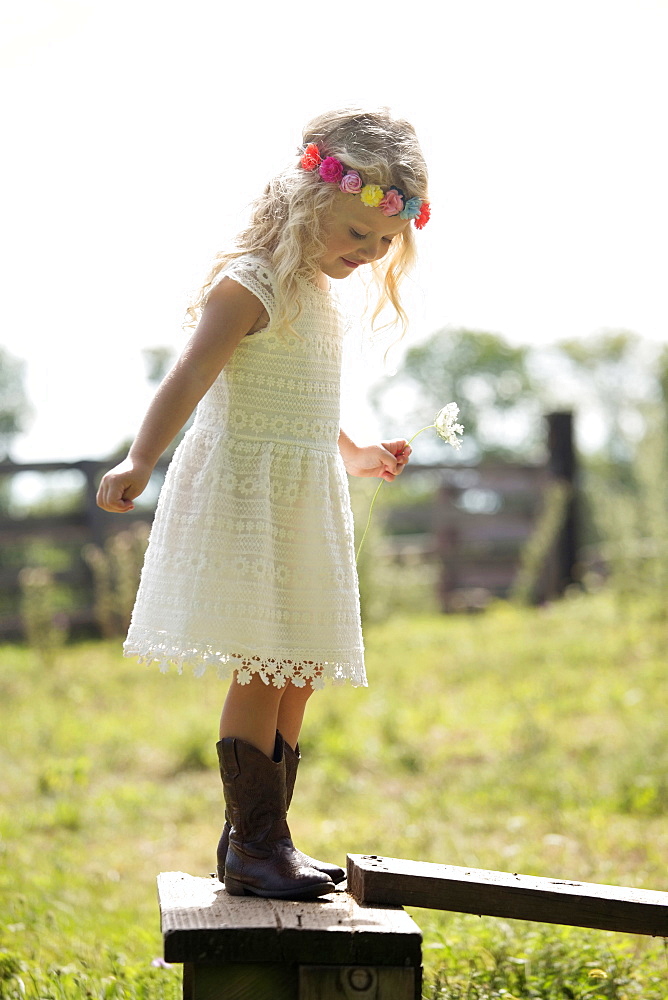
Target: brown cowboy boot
x,y
261,859
292,758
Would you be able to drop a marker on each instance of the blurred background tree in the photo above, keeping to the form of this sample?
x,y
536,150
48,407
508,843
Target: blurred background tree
x,y
14,413
615,381
14,409
616,385
158,361
486,376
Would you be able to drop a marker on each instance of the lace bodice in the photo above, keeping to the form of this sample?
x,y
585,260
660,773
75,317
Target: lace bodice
x,y
281,386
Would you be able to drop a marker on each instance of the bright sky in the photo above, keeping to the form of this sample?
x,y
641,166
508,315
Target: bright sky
x,y
136,132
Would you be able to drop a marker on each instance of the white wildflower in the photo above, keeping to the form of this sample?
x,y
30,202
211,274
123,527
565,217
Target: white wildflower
x,y
446,425
447,428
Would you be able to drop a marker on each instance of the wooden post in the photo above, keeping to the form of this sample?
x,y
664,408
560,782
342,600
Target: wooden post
x,y
383,881
97,521
249,948
447,545
562,467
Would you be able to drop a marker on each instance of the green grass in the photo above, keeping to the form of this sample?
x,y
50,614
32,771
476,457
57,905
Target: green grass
x,y
520,740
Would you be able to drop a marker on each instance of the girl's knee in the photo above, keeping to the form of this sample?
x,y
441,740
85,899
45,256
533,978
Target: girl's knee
x,y
298,694
255,689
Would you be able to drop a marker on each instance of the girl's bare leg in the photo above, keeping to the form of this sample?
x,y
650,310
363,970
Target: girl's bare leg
x,y
256,796
253,712
250,713
291,711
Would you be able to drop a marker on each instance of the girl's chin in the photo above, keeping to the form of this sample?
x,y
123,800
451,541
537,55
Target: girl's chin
x,y
337,271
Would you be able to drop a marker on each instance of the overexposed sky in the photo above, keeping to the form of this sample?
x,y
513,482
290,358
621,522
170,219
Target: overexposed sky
x,y
135,133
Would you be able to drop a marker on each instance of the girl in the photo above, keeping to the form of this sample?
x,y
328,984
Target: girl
x,y
251,561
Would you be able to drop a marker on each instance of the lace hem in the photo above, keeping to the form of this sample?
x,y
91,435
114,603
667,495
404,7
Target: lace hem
x,y
270,669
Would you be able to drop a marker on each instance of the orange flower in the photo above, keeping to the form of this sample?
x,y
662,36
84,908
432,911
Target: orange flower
x,y
423,217
311,158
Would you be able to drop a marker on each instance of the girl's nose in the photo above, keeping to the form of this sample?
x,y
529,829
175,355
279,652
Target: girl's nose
x,y
370,250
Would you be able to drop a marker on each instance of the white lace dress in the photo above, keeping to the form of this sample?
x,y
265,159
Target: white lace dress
x,y
251,560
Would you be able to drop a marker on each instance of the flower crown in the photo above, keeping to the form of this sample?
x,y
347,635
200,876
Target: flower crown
x,y
391,201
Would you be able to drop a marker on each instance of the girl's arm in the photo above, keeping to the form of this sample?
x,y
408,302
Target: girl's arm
x,y
385,460
230,313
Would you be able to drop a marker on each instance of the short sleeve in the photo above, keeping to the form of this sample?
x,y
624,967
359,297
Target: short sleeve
x,y
253,274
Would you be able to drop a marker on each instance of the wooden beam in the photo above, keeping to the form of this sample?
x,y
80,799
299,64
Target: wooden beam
x,y
392,881
201,923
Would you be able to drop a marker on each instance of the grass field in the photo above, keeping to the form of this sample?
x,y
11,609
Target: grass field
x,y
521,740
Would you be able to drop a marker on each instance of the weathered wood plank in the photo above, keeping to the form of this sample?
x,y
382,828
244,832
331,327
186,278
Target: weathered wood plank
x,y
392,881
271,981
239,981
201,923
317,982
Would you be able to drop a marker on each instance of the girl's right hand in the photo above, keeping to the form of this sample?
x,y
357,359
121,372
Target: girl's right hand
x,y
121,485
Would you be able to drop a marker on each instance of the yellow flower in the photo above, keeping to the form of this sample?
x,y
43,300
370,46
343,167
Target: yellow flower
x,y
372,195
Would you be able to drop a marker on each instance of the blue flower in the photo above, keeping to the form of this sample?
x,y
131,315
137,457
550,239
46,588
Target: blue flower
x,y
411,209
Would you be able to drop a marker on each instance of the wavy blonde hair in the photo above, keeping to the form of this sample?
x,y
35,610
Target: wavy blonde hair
x,y
287,223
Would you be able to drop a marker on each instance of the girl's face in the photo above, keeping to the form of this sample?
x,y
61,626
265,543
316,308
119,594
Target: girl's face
x,y
356,234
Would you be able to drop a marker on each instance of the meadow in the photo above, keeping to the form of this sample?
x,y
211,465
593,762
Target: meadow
x,y
522,739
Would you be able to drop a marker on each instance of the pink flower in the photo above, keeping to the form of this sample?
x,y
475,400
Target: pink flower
x,y
311,158
393,202
331,170
351,183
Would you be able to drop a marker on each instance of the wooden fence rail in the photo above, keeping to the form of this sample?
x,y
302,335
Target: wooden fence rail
x,y
359,943
395,882
474,532
477,531
58,540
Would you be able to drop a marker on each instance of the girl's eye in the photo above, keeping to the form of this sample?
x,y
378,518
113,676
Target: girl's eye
x,y
358,236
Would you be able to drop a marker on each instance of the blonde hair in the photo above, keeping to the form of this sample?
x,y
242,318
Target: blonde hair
x,y
287,221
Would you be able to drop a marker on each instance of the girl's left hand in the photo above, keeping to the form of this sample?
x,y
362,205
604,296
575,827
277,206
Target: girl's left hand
x,y
384,461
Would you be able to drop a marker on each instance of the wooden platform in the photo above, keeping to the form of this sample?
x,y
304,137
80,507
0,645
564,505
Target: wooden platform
x,y
392,881
245,947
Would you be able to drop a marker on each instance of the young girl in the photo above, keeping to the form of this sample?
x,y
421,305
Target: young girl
x,y
251,563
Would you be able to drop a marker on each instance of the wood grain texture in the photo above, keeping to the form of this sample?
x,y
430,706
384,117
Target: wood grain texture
x,y
393,881
319,982
235,981
201,923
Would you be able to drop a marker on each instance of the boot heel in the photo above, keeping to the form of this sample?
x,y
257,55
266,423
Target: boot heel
x,y
221,873
233,887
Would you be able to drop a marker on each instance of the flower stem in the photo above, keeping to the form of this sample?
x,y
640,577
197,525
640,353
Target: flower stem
x,y
368,520
373,499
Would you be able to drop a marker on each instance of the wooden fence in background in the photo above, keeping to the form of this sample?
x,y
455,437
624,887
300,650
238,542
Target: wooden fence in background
x,y
37,535
487,520
475,531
